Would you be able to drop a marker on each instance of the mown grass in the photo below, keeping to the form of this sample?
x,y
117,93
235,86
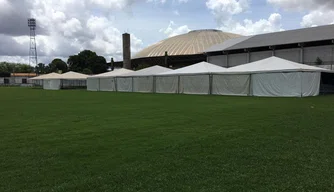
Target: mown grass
x,y
98,141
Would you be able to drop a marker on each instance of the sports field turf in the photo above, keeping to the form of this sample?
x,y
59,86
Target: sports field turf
x,y
98,141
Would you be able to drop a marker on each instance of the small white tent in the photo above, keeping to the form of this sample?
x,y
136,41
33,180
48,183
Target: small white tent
x,y
38,80
278,77
139,81
51,81
105,81
193,79
67,80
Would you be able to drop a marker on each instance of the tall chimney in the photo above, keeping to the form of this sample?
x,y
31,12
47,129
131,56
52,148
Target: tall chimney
x,y
126,51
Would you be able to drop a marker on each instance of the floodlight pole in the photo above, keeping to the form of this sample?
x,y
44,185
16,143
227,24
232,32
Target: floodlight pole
x,y
33,49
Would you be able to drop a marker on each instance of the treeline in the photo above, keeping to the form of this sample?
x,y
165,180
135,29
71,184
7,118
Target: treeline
x,y
87,62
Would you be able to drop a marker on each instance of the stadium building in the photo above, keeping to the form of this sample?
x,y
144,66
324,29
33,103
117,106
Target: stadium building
x,y
311,46
177,51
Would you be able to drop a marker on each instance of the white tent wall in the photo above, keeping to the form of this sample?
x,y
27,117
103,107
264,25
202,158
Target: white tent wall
x,y
51,84
92,84
68,83
107,84
277,84
231,84
166,84
310,83
143,84
290,84
124,84
195,84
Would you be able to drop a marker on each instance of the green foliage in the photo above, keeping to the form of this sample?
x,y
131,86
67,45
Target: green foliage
x,y
58,65
318,61
41,68
4,74
87,71
15,68
81,141
87,60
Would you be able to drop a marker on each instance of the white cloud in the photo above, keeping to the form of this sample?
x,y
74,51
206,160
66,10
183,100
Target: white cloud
x,y
70,27
320,12
302,4
318,17
170,31
248,27
225,10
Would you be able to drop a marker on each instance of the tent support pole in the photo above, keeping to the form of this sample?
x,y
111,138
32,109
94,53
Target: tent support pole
x,y
99,85
210,83
178,84
301,84
154,84
115,82
132,84
250,85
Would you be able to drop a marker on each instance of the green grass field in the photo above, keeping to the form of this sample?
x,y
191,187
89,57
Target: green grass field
x,y
98,141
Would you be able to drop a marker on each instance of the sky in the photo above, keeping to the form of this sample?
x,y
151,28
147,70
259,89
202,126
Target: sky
x,y
65,27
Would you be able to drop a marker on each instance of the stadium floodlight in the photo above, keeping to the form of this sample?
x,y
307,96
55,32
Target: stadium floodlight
x,y
32,50
31,22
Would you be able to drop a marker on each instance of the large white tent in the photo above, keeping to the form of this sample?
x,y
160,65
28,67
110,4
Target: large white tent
x,y
193,79
105,81
38,80
139,81
272,77
63,81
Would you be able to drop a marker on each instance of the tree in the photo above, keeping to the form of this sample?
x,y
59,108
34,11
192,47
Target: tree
x,y
58,64
98,65
87,60
41,68
15,68
318,61
86,71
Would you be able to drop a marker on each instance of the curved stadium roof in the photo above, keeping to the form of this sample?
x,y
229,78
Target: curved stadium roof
x,y
194,42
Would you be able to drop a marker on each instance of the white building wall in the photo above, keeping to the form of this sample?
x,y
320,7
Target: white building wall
x,y
237,59
219,60
256,56
310,54
325,53
289,54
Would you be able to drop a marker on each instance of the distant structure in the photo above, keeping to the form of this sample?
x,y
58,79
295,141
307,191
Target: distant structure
x,y
126,51
32,50
311,46
174,52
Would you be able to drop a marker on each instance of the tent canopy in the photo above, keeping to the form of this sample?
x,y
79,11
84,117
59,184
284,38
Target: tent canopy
x,y
47,76
198,68
274,64
148,71
73,75
114,73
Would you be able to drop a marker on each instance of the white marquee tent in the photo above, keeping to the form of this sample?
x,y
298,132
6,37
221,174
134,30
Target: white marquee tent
x,y
273,77
193,79
38,80
105,81
66,80
139,81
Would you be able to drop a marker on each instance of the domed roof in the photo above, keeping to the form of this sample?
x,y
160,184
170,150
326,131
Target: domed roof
x,y
194,42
